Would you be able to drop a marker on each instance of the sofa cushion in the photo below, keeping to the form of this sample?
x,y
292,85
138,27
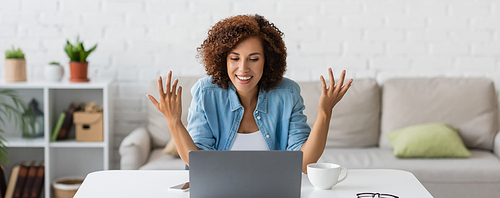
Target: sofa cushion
x,y
171,148
157,124
468,104
160,161
481,166
134,149
355,119
436,140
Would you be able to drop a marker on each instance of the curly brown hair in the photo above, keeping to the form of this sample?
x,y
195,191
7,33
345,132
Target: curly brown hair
x,y
227,33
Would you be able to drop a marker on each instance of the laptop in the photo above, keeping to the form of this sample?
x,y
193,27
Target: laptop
x,y
245,174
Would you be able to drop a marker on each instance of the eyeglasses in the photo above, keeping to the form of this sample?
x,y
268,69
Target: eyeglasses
x,y
375,195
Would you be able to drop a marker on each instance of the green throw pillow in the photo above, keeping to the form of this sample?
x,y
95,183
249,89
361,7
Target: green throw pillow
x,y
428,141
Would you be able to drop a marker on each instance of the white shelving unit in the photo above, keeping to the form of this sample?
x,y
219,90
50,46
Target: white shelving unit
x,y
66,157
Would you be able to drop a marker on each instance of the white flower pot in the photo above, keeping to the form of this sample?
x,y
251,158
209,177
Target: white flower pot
x,y
53,73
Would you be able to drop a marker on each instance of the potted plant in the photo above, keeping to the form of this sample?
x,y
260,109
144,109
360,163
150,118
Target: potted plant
x,y
15,65
78,65
8,112
54,72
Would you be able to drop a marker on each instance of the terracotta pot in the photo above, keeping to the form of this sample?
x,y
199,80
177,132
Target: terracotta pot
x,y
78,71
15,70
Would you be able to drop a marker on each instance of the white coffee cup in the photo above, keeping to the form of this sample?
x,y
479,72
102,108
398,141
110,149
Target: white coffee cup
x,y
324,176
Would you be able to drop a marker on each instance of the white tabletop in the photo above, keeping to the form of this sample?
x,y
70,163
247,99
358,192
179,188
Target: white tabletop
x,y
155,183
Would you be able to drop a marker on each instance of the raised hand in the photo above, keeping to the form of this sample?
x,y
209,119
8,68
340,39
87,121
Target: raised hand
x,y
170,103
332,93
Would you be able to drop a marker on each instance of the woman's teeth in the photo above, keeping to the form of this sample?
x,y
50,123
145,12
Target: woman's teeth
x,y
243,78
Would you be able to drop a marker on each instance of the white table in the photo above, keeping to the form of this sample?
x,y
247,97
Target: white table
x,y
148,183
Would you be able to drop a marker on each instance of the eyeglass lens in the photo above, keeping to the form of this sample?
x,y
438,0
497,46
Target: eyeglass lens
x,y
375,195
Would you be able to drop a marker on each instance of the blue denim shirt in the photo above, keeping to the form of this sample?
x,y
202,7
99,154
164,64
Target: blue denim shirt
x,y
215,115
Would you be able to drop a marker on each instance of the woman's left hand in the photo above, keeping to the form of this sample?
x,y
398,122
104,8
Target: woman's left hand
x,y
332,94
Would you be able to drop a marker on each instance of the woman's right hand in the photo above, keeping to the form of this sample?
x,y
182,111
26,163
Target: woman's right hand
x,y
170,103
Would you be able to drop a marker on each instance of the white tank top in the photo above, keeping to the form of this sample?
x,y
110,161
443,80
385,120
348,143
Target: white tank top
x,y
250,142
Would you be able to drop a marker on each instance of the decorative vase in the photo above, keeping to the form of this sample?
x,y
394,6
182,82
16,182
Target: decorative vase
x,y
78,71
32,121
15,70
54,73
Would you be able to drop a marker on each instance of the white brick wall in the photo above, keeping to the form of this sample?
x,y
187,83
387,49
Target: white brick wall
x,y
41,6
141,39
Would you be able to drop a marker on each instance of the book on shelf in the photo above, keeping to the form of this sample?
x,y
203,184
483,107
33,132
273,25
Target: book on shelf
x,y
58,126
68,122
38,184
26,180
3,183
21,179
30,179
9,193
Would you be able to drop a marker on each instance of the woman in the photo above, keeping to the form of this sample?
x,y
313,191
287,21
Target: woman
x,y
245,103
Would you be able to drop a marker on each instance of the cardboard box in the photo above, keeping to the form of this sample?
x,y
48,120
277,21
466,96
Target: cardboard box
x,y
89,126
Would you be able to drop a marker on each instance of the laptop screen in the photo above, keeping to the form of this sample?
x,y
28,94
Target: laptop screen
x,y
245,173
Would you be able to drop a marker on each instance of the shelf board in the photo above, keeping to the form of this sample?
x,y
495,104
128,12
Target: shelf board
x,y
25,142
65,84
75,144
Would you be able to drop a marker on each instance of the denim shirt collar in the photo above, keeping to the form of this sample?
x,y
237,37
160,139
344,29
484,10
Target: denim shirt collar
x,y
235,102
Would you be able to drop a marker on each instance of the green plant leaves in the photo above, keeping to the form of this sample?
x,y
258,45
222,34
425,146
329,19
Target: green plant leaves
x,y
77,52
82,56
87,53
69,51
80,47
9,111
55,63
14,54
3,151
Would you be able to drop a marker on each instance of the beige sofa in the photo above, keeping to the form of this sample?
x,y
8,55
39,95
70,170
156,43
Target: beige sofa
x,y
360,122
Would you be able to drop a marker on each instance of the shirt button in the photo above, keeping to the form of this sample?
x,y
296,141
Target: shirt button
x,y
267,136
256,111
258,117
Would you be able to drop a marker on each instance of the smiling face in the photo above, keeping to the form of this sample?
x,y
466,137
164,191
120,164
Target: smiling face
x,y
245,65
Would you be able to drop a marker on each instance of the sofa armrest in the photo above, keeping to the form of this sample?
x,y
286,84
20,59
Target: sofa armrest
x,y
134,149
496,144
